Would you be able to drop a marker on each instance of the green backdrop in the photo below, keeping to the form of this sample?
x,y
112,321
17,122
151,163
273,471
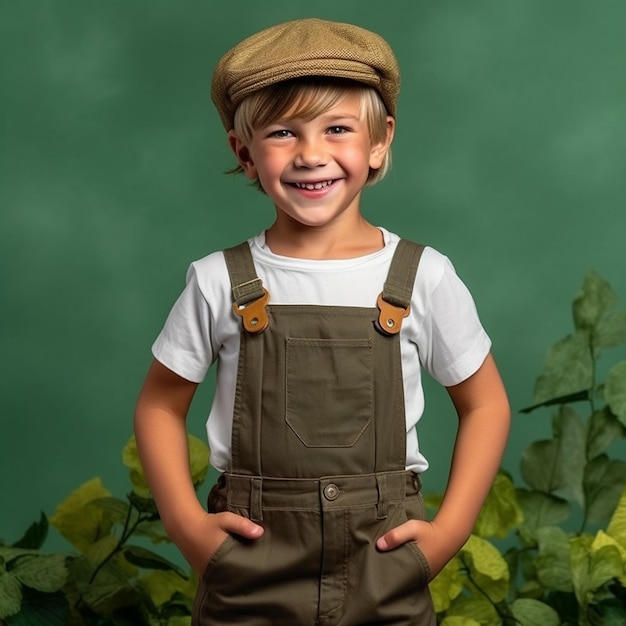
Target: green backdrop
x,y
510,158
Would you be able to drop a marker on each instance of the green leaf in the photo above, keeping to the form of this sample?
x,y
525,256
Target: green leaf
x,y
592,302
571,433
110,590
42,609
608,612
10,593
610,331
530,612
146,506
153,530
569,398
488,569
82,525
150,560
35,536
500,512
592,568
604,481
556,465
44,572
538,465
615,390
447,585
604,429
553,561
540,510
568,368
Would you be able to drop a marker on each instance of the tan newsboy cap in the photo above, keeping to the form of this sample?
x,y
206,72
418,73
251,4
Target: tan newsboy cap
x,y
301,48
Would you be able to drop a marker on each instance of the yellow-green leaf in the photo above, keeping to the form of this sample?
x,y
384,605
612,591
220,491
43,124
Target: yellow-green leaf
x,y
617,525
591,569
198,464
198,460
501,511
447,585
602,540
83,525
161,585
476,608
488,569
459,620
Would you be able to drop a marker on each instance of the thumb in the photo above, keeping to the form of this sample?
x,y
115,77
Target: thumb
x,y
242,526
397,536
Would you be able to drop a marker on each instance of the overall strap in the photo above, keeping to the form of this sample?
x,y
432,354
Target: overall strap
x,y
249,295
395,300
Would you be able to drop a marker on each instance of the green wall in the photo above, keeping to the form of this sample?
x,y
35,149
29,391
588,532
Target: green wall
x,y
510,158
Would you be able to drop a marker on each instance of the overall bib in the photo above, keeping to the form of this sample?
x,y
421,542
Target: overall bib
x,y
318,459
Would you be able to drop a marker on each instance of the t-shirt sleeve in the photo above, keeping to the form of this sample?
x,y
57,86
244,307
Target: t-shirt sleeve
x,y
184,344
453,343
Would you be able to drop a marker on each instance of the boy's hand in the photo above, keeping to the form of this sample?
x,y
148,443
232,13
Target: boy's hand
x,y
204,536
435,543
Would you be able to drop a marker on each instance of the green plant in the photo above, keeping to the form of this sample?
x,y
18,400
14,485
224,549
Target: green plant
x,y
108,581
567,526
566,529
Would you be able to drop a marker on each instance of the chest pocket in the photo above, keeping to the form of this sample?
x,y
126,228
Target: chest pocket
x,y
329,390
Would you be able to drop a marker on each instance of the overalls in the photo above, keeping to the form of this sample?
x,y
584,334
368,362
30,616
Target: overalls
x,y
318,459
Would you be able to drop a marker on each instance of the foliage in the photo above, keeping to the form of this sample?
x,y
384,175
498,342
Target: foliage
x,y
567,525
554,573
108,581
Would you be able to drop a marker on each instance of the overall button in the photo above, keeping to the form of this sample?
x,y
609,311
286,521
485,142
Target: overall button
x,y
331,492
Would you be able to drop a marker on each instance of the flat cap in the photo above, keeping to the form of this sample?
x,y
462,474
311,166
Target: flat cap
x,y
301,48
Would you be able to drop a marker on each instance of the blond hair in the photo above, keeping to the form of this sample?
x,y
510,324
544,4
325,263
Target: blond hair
x,y
306,99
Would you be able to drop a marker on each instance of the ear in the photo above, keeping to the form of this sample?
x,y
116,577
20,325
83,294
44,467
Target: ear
x,y
242,152
379,150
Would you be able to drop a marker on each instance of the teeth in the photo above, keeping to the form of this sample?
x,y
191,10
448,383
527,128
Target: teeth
x,y
312,186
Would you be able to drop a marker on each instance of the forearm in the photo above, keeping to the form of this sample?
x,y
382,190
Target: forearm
x,y
163,449
478,451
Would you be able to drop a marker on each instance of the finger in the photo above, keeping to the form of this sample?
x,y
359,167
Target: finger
x,y
238,525
397,536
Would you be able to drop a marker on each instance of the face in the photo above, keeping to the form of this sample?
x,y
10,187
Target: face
x,y
314,170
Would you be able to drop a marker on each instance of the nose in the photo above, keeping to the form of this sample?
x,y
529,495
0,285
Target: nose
x,y
311,153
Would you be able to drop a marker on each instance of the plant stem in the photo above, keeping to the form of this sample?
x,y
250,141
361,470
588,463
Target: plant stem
x,y
127,531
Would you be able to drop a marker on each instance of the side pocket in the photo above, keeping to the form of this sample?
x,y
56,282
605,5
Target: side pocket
x,y
329,390
227,545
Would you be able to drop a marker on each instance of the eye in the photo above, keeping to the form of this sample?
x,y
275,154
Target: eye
x,y
338,130
281,133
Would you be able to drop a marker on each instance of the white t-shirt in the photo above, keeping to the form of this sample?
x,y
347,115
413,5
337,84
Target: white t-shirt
x,y
442,334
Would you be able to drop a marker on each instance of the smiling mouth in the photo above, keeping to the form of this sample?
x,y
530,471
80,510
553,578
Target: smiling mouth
x,y
313,186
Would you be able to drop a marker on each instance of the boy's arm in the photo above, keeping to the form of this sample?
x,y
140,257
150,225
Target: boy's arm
x,y
484,419
161,433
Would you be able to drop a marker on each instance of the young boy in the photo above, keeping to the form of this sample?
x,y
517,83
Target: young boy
x,y
319,326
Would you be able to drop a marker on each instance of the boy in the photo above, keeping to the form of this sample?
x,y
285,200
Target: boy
x,y
319,326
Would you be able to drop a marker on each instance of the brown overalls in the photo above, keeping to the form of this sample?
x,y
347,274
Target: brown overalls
x,y
318,459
